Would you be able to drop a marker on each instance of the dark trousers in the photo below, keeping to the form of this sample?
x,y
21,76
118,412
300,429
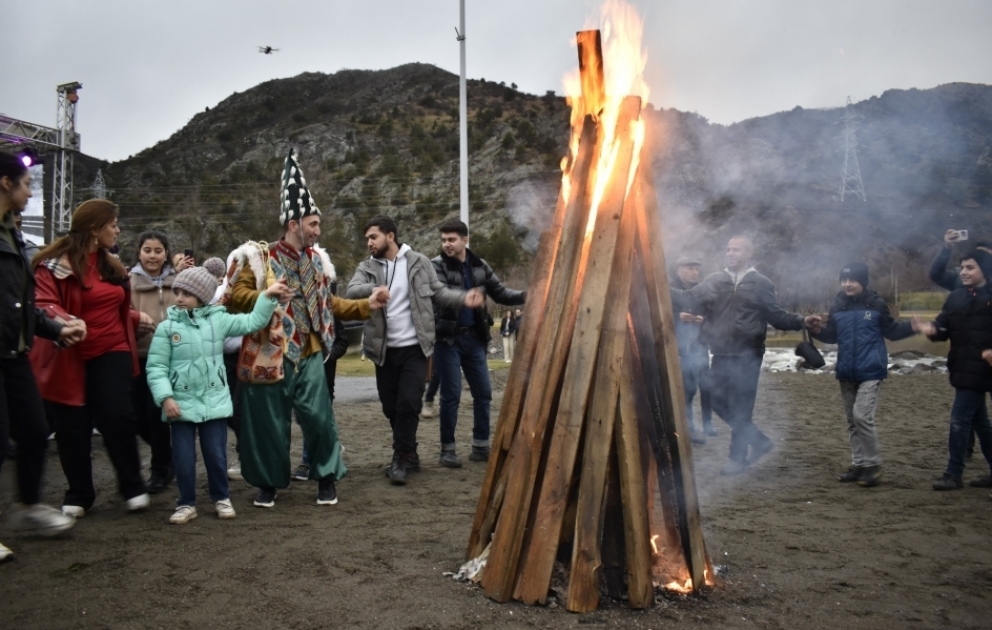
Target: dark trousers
x,y
697,377
213,446
236,387
400,381
735,388
968,413
22,419
434,385
452,356
149,425
108,408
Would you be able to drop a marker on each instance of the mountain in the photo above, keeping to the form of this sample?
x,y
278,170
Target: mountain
x,y
386,141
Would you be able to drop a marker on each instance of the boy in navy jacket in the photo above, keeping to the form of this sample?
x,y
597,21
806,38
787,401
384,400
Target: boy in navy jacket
x,y
859,323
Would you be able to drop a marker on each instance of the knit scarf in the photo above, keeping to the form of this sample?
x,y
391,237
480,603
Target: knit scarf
x,y
310,309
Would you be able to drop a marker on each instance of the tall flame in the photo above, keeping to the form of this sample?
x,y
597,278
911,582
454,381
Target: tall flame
x,y
623,66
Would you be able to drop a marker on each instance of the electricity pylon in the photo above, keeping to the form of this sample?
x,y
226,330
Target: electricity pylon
x,y
851,178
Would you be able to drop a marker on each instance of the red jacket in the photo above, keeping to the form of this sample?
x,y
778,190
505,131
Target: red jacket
x,y
60,373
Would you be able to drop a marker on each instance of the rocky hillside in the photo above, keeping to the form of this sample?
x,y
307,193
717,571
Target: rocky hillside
x,y
386,141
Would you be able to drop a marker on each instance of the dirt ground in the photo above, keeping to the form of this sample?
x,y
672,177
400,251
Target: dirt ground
x,y
800,549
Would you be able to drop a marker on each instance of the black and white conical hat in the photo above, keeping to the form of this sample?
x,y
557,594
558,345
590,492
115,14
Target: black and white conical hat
x,y
296,201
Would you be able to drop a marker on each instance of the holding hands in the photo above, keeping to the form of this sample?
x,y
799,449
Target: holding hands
x,y
379,297
280,291
689,318
928,328
813,323
72,333
474,298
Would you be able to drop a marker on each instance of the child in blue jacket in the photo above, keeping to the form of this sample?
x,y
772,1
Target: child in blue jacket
x,y
859,323
188,379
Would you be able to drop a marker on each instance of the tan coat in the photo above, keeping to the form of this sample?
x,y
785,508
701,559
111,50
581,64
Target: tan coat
x,y
152,301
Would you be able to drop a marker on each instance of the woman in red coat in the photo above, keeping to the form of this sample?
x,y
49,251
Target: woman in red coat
x,y
89,385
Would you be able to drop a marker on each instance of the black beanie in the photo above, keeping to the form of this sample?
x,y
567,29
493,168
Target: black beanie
x,y
856,271
984,260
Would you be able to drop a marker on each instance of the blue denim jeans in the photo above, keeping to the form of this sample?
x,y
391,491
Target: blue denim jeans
x,y
213,445
968,412
463,353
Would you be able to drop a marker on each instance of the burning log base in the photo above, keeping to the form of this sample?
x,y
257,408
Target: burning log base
x,y
591,461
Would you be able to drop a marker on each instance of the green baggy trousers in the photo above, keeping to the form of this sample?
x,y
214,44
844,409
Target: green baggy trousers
x,y
266,420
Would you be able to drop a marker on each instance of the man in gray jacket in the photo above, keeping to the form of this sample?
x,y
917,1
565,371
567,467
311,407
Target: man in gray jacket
x,y
400,337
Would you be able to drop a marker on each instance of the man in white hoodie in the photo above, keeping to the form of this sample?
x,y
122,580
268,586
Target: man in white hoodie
x,y
400,337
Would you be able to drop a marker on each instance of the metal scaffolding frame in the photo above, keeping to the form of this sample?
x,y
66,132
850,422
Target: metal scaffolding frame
x,y
61,142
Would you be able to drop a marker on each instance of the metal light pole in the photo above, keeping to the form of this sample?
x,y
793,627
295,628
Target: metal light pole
x,y
463,117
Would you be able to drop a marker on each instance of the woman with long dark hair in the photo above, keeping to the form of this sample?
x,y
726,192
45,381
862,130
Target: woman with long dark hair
x,y
89,385
151,293
22,415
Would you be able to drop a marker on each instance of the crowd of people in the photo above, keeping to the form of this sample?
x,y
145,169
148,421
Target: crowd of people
x,y
722,325
167,351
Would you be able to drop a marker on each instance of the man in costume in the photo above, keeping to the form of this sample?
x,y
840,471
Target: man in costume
x,y
283,368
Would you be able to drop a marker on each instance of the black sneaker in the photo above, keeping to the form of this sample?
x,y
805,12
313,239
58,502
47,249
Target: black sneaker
x,y
397,470
326,494
302,473
479,454
450,459
948,482
870,476
981,482
265,498
760,450
159,481
851,476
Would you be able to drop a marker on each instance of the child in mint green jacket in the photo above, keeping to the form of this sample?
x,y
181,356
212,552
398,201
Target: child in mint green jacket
x,y
187,378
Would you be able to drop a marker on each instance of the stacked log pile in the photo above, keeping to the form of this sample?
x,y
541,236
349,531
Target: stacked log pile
x,y
591,464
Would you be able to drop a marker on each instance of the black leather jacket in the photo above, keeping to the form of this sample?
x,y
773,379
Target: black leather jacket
x,y
18,315
449,271
736,317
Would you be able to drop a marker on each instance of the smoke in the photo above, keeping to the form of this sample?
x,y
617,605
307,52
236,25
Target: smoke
x,y
531,204
777,179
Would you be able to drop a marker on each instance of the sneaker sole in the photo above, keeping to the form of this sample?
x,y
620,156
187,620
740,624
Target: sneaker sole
x,y
47,531
184,521
73,513
226,516
259,504
234,476
333,501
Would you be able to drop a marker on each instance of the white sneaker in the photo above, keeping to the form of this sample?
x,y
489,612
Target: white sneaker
x,y
5,553
225,509
234,472
138,503
183,515
41,520
74,511
427,411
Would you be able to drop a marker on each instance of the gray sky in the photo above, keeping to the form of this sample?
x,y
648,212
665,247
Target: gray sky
x,y
148,67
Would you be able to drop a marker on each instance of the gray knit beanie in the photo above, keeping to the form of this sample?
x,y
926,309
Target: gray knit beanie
x,y
216,267
197,281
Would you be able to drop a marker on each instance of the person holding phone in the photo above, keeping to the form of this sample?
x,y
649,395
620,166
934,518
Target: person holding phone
x,y
950,279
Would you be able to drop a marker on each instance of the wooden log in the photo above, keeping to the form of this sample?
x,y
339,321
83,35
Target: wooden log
x,y
590,47
491,493
633,490
596,268
613,552
521,469
666,348
648,376
583,590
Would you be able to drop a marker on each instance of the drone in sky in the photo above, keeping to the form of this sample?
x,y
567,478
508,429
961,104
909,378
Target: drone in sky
x,y
267,50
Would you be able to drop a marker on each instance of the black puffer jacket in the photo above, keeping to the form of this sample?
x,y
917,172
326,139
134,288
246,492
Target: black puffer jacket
x,y
966,320
18,315
736,318
449,271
